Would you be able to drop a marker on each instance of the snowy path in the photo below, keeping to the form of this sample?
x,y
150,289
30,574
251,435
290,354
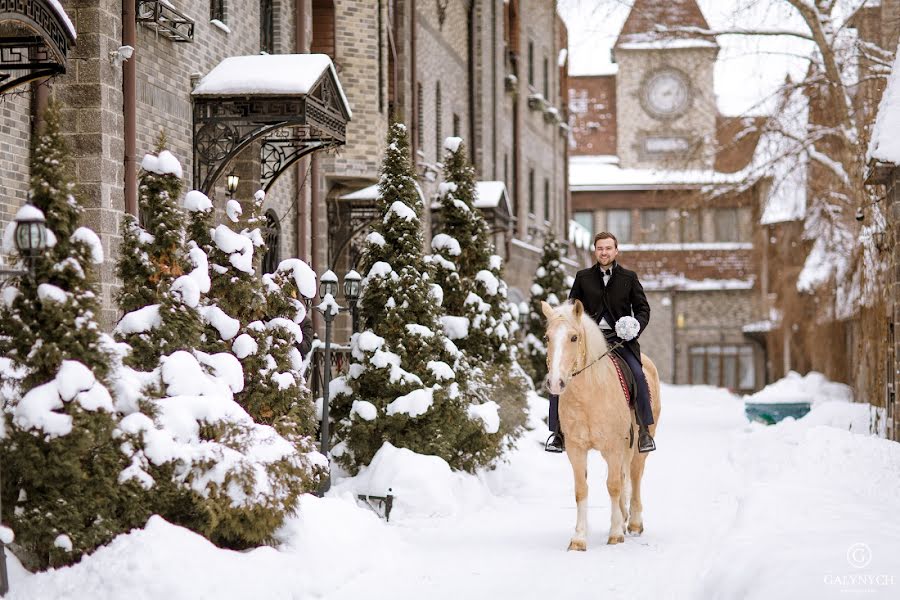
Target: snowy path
x,y
515,546
731,511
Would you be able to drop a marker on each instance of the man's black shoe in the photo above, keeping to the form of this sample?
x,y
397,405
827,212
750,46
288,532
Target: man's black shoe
x,y
555,443
645,440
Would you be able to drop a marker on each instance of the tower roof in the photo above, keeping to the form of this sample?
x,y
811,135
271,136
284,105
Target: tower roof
x,y
646,16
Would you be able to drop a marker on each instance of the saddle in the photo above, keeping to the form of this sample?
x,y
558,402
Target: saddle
x,y
626,376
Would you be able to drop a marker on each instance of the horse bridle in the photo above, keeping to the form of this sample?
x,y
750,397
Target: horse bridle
x,y
616,346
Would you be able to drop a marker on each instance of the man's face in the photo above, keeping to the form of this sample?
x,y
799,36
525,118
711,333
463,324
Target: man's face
x,y
605,252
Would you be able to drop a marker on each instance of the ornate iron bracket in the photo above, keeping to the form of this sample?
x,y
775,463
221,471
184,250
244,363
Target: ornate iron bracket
x,y
34,43
286,128
165,20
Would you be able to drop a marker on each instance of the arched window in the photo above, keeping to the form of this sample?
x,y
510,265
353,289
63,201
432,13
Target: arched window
x,y
272,236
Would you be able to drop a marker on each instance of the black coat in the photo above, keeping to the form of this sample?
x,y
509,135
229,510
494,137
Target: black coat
x,y
623,296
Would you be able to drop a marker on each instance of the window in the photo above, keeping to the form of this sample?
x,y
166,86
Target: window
x,y
726,225
586,220
217,10
618,223
531,191
272,236
654,227
323,28
455,125
266,27
546,199
731,367
690,224
531,64
546,79
420,115
438,130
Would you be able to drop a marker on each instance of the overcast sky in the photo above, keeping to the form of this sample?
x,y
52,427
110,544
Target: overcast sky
x,y
748,70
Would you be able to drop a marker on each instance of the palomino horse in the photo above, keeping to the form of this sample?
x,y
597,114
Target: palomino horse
x,y
593,413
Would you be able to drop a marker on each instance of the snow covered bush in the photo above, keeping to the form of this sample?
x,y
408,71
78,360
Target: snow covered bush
x,y
551,285
210,466
408,383
61,492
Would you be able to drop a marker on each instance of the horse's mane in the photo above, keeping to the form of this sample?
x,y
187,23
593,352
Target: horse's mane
x,y
596,341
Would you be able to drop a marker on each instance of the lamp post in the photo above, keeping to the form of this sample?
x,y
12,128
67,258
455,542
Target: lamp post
x,y
31,241
328,288
231,184
524,309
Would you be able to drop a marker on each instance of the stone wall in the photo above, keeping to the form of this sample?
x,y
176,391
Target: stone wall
x,y
15,153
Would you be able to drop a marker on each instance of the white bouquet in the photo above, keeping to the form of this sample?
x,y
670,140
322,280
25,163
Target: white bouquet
x,y
628,328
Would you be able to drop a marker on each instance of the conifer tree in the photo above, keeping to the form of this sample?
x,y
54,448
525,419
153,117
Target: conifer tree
x,y
466,268
159,298
60,459
550,285
407,383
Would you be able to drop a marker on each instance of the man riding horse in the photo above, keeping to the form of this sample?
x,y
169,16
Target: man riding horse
x,y
609,292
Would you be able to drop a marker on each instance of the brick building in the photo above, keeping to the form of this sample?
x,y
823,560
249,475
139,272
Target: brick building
x,y
648,145
492,72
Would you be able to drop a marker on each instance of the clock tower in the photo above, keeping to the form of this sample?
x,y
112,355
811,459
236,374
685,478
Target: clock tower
x,y
665,102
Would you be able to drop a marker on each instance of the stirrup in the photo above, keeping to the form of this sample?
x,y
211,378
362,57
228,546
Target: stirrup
x,y
555,443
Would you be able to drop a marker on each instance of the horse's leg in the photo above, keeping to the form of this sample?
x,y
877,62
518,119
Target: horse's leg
x,y
636,518
625,496
615,484
578,459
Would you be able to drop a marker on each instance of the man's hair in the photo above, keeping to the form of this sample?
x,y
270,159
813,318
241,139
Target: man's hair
x,y
605,235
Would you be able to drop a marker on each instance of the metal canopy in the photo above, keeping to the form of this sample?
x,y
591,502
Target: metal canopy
x,y
287,124
35,36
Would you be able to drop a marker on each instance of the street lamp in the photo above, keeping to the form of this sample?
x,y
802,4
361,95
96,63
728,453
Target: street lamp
x,y
231,184
328,289
30,237
524,309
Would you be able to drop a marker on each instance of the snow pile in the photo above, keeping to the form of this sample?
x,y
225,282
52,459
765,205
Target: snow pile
x,y
423,486
42,409
239,248
197,201
884,145
812,387
163,164
303,275
87,236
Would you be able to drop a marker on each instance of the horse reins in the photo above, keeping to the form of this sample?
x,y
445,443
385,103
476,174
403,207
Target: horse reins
x,y
590,364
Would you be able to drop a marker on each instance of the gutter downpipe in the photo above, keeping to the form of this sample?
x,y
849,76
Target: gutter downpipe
x,y
301,46
129,106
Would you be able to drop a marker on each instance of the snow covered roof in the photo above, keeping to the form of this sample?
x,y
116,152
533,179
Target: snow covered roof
x,y
371,193
884,146
63,17
602,172
491,194
646,16
269,75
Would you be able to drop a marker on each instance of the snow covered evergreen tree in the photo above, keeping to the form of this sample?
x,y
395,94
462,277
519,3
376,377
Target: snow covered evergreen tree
x,y
478,318
551,284
60,460
160,299
408,382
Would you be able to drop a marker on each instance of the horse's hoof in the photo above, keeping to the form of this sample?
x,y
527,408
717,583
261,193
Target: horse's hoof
x,y
636,529
615,539
579,545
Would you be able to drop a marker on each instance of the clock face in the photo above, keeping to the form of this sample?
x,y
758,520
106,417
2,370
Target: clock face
x,y
666,93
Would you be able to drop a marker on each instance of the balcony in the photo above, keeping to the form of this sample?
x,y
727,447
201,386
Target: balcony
x,y
165,20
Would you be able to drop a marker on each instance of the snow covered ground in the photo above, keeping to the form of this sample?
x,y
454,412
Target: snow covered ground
x,y
802,509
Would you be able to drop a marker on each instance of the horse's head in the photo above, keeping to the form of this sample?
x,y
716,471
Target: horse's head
x,y
566,345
